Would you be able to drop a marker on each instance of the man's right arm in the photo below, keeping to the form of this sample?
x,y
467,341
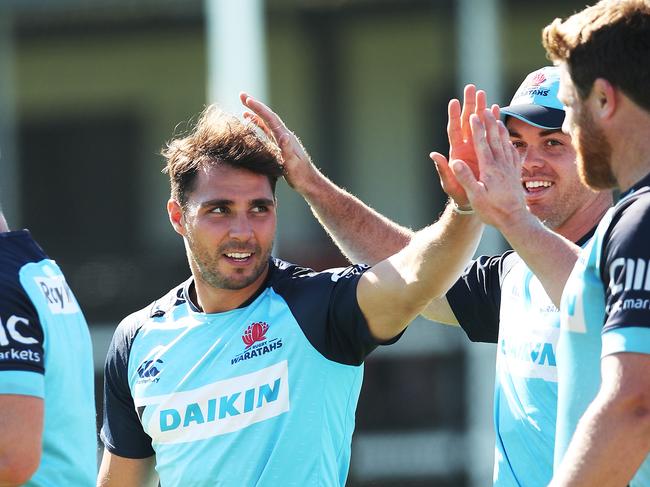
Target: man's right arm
x,y
129,458
116,471
360,232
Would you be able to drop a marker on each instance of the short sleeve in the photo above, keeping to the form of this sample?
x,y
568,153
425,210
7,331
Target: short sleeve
x,y
475,298
326,308
122,432
625,271
21,342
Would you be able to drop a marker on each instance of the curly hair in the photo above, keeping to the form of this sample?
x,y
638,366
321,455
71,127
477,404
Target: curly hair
x,y
219,138
609,40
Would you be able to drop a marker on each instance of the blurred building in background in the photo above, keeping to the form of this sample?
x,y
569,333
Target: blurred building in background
x,y
91,90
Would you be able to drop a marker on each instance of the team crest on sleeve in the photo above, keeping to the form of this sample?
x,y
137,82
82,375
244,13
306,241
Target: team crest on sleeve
x,y
256,343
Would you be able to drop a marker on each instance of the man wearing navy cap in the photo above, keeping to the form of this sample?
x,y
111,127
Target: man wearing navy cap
x,y
497,299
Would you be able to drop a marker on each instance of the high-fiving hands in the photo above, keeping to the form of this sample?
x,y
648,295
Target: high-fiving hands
x,y
461,143
496,193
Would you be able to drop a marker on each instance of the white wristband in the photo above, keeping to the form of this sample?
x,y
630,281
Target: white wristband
x,y
460,210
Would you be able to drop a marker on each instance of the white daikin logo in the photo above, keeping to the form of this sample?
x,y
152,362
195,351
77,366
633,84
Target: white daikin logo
x,y
218,408
58,295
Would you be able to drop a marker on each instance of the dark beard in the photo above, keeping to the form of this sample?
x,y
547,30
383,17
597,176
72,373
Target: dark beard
x,y
206,264
594,154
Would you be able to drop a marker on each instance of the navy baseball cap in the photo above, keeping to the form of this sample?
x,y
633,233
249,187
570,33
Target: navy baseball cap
x,y
536,102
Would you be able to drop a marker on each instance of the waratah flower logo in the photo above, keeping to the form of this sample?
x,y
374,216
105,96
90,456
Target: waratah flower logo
x,y
538,79
255,332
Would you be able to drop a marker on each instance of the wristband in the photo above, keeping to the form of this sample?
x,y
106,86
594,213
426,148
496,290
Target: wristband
x,y
468,210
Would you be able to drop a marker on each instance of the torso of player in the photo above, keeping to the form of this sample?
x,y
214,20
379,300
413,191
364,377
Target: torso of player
x,y
45,351
242,397
526,382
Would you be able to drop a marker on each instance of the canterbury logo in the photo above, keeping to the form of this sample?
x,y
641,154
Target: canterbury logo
x,y
629,274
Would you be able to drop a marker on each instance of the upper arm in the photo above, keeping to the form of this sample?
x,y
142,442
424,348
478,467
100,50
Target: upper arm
x,y
21,423
624,270
122,432
626,375
326,308
22,385
116,471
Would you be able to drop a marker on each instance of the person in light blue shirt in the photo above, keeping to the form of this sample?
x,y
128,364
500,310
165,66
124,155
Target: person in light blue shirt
x,y
47,405
496,299
249,372
604,363
603,359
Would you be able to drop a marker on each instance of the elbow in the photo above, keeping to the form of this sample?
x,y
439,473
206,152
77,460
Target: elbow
x,y
17,468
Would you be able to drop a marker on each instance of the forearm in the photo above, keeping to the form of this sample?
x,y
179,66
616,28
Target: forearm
x,y
613,436
361,233
549,256
608,447
400,287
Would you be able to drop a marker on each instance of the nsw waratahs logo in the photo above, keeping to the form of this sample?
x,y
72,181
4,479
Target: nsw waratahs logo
x,y
537,79
254,337
255,333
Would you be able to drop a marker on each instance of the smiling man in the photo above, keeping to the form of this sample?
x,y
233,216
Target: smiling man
x,y
249,372
496,299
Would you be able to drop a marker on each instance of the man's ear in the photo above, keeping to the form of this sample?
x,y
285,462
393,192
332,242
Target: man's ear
x,y
604,99
176,217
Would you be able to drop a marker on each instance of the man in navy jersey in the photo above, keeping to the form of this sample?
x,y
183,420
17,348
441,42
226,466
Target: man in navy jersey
x,y
497,299
47,406
603,424
249,372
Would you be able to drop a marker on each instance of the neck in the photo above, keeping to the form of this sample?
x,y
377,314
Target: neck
x,y
3,223
630,160
586,218
218,300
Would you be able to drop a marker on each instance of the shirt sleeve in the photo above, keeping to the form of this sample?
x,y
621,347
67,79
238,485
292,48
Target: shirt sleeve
x,y
625,271
22,361
326,308
475,298
122,432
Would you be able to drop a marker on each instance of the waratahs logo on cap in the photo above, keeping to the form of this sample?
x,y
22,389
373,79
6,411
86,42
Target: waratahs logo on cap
x,y
254,337
255,333
538,79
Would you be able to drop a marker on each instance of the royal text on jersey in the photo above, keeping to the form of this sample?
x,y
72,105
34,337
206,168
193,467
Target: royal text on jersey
x,y
57,294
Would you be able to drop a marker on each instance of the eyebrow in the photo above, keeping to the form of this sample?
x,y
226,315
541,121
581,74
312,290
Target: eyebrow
x,y
227,202
542,133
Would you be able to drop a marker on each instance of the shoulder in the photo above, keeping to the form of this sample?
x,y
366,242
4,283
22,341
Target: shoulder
x,y
629,227
17,250
286,276
131,325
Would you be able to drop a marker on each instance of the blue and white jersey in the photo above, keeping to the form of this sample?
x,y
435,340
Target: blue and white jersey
x,y
45,351
605,310
261,395
499,300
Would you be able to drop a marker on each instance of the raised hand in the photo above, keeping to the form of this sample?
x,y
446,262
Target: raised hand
x,y
297,163
461,144
495,193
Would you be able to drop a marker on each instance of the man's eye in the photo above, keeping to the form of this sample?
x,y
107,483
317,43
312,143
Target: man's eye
x,y
219,209
518,144
260,209
553,142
